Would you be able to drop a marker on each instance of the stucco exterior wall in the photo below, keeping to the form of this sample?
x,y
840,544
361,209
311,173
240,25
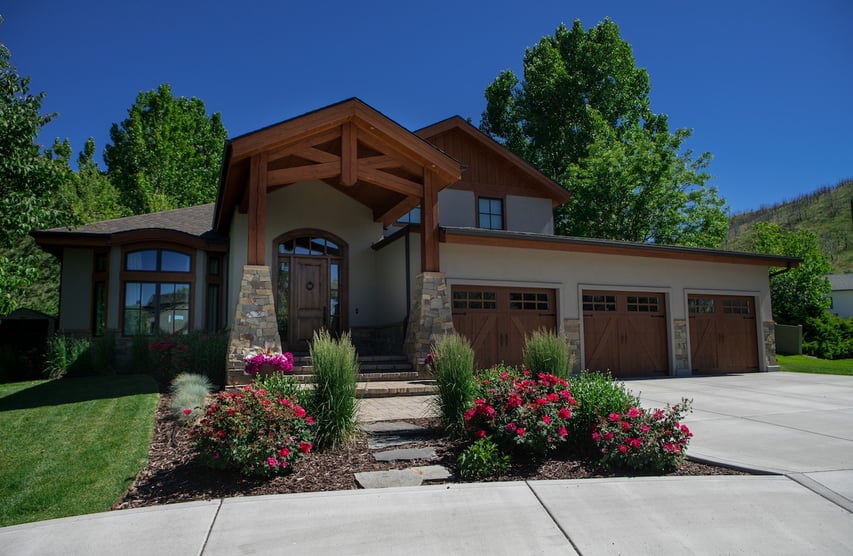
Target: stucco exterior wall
x,y
570,273
529,214
238,253
456,208
75,304
318,206
391,283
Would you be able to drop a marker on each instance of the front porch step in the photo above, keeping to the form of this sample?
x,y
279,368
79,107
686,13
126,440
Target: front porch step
x,y
372,368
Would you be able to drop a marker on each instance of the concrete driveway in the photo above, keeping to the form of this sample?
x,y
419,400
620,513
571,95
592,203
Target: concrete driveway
x,y
799,425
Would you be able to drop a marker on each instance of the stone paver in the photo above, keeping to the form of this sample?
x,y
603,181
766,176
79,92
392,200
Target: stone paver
x,y
413,476
405,454
389,409
386,434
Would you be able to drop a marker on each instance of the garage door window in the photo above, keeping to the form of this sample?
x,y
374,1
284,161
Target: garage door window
x,y
467,299
599,302
700,305
528,301
642,304
736,306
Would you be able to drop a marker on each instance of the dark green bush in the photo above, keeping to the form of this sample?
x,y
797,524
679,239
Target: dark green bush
x,y
546,351
481,460
596,394
281,385
828,337
168,355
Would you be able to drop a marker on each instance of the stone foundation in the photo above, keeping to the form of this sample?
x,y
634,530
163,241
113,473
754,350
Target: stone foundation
x,y
769,328
572,330
254,327
681,347
430,316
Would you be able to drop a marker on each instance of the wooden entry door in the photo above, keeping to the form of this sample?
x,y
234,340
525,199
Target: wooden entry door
x,y
310,299
625,332
723,334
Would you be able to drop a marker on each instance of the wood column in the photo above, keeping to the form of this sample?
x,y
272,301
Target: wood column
x,y
258,178
429,224
349,154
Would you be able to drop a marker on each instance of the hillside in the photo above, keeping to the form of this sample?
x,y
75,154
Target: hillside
x,y
828,212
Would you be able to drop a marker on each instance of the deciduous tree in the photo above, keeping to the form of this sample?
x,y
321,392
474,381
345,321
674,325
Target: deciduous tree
x,y
166,154
582,116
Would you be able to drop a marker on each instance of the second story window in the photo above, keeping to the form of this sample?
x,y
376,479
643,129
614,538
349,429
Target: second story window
x,y
490,213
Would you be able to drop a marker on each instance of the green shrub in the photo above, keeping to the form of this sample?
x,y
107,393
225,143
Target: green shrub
x,y
103,354
643,441
828,337
195,352
252,432
189,392
597,394
524,413
281,385
452,363
481,460
333,401
547,352
66,356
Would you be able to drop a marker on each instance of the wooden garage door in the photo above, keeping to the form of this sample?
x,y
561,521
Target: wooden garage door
x,y
496,320
723,334
625,332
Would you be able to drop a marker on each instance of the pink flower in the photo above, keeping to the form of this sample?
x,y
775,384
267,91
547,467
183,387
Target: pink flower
x,y
644,428
481,433
272,462
187,411
613,417
658,414
623,448
468,415
284,452
546,420
305,447
309,420
519,431
633,413
608,436
565,413
299,411
635,443
510,427
625,425
563,432
596,437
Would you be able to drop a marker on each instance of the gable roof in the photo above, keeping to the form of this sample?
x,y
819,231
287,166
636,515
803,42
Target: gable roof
x,y
841,282
349,145
535,181
190,225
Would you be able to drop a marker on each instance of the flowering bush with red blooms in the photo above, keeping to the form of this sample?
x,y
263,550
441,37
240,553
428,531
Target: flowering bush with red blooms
x,y
253,432
521,412
643,441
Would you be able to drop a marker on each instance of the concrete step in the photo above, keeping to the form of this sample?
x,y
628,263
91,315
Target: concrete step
x,y
385,389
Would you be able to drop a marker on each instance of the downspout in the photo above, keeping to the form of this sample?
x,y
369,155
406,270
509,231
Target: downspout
x,y
783,271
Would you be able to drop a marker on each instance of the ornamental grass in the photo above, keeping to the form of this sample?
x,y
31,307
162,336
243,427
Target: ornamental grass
x,y
452,363
332,400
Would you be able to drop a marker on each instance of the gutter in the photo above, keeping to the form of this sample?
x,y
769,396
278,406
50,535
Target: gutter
x,y
783,271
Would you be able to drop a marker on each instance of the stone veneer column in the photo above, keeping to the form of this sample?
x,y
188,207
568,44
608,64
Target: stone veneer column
x,y
681,348
254,327
572,330
429,317
769,328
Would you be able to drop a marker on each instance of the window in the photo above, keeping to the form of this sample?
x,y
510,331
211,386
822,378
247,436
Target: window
x,y
604,303
157,286
490,213
474,299
411,217
700,305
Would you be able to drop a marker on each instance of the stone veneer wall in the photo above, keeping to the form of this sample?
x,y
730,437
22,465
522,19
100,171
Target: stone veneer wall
x,y
681,348
254,327
430,316
572,330
769,328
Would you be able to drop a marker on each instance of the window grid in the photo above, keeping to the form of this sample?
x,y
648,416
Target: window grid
x,y
490,213
606,303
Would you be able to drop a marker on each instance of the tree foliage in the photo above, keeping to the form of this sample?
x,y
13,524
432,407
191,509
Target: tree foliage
x,y
87,194
582,116
28,181
166,154
800,293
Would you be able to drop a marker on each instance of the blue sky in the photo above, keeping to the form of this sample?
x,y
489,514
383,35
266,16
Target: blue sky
x,y
767,86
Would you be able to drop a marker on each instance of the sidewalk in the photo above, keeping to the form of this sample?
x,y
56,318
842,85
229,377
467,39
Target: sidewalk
x,y
796,424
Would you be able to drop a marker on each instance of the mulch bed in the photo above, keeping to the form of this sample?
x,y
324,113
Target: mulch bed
x,y
172,474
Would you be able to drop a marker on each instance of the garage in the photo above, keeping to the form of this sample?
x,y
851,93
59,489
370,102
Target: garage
x,y
625,332
496,319
723,333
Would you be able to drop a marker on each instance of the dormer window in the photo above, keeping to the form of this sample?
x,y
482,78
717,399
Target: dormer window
x,y
490,213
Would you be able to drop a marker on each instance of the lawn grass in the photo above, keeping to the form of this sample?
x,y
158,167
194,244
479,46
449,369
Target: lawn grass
x,y
805,364
72,446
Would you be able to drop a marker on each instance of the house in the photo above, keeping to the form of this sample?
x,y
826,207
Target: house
x,y
341,218
841,297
